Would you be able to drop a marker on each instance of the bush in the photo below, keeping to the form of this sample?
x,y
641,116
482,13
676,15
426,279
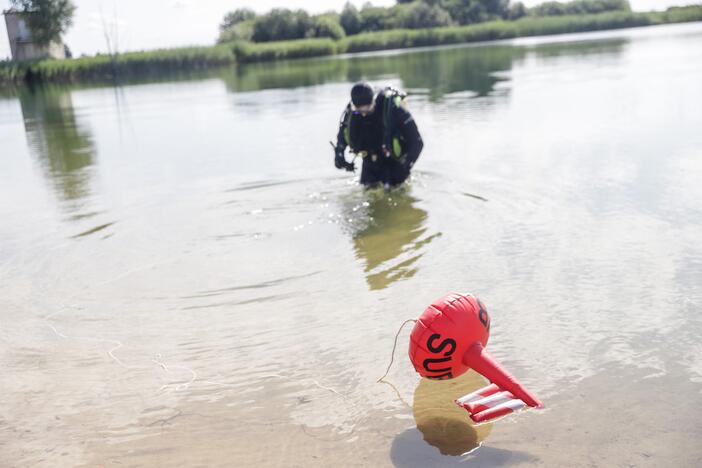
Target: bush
x,y
242,31
516,10
248,52
10,72
350,19
548,9
324,26
421,15
682,14
127,65
493,30
475,11
403,38
376,18
281,24
532,26
579,7
237,16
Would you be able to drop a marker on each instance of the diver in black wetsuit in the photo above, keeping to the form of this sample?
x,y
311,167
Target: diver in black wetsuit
x,y
379,128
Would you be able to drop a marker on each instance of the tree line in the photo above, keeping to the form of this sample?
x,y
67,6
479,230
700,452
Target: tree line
x,y
279,24
144,65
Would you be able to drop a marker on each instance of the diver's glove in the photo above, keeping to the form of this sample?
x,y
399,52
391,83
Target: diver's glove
x,y
340,161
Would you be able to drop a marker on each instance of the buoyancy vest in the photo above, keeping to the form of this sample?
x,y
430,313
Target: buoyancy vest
x,y
387,102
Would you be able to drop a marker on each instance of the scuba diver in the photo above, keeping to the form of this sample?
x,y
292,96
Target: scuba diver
x,y
379,128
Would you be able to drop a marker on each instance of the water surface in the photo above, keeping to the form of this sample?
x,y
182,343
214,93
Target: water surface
x,y
185,278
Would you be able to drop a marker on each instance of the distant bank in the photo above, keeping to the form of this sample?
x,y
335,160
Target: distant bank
x,y
105,68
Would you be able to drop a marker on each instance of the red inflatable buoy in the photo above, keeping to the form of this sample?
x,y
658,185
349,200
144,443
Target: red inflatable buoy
x,y
450,337
445,332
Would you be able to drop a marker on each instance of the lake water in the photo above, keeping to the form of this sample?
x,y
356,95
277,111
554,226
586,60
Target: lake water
x,y
185,279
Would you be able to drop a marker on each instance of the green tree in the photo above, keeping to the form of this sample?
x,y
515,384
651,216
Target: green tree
x,y
495,8
516,11
242,31
281,24
350,19
422,15
237,16
466,11
325,26
579,7
548,9
376,18
476,11
47,19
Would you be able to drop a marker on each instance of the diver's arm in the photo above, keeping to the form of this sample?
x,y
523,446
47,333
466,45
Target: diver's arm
x,y
341,142
412,140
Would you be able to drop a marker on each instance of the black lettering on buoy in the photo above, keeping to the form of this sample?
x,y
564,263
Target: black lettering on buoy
x,y
483,315
447,342
427,362
445,376
447,347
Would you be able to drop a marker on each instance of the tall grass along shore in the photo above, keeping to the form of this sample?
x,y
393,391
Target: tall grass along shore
x,y
158,62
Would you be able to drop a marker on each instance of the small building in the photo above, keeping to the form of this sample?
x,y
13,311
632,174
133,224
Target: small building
x,y
21,43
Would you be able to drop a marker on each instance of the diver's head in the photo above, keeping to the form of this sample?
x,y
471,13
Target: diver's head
x,y
362,98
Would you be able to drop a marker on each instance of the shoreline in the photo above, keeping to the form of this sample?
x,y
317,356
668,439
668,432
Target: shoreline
x,y
157,63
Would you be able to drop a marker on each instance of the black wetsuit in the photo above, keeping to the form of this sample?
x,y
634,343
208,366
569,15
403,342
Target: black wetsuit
x,y
367,133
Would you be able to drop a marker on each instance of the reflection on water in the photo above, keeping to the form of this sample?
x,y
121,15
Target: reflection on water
x,y
604,48
63,146
476,70
452,438
65,150
443,424
454,70
295,73
389,235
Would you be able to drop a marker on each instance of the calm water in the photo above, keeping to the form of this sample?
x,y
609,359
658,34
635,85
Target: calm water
x,y
185,279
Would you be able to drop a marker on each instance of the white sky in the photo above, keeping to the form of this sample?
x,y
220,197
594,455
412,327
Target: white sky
x,y
168,23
